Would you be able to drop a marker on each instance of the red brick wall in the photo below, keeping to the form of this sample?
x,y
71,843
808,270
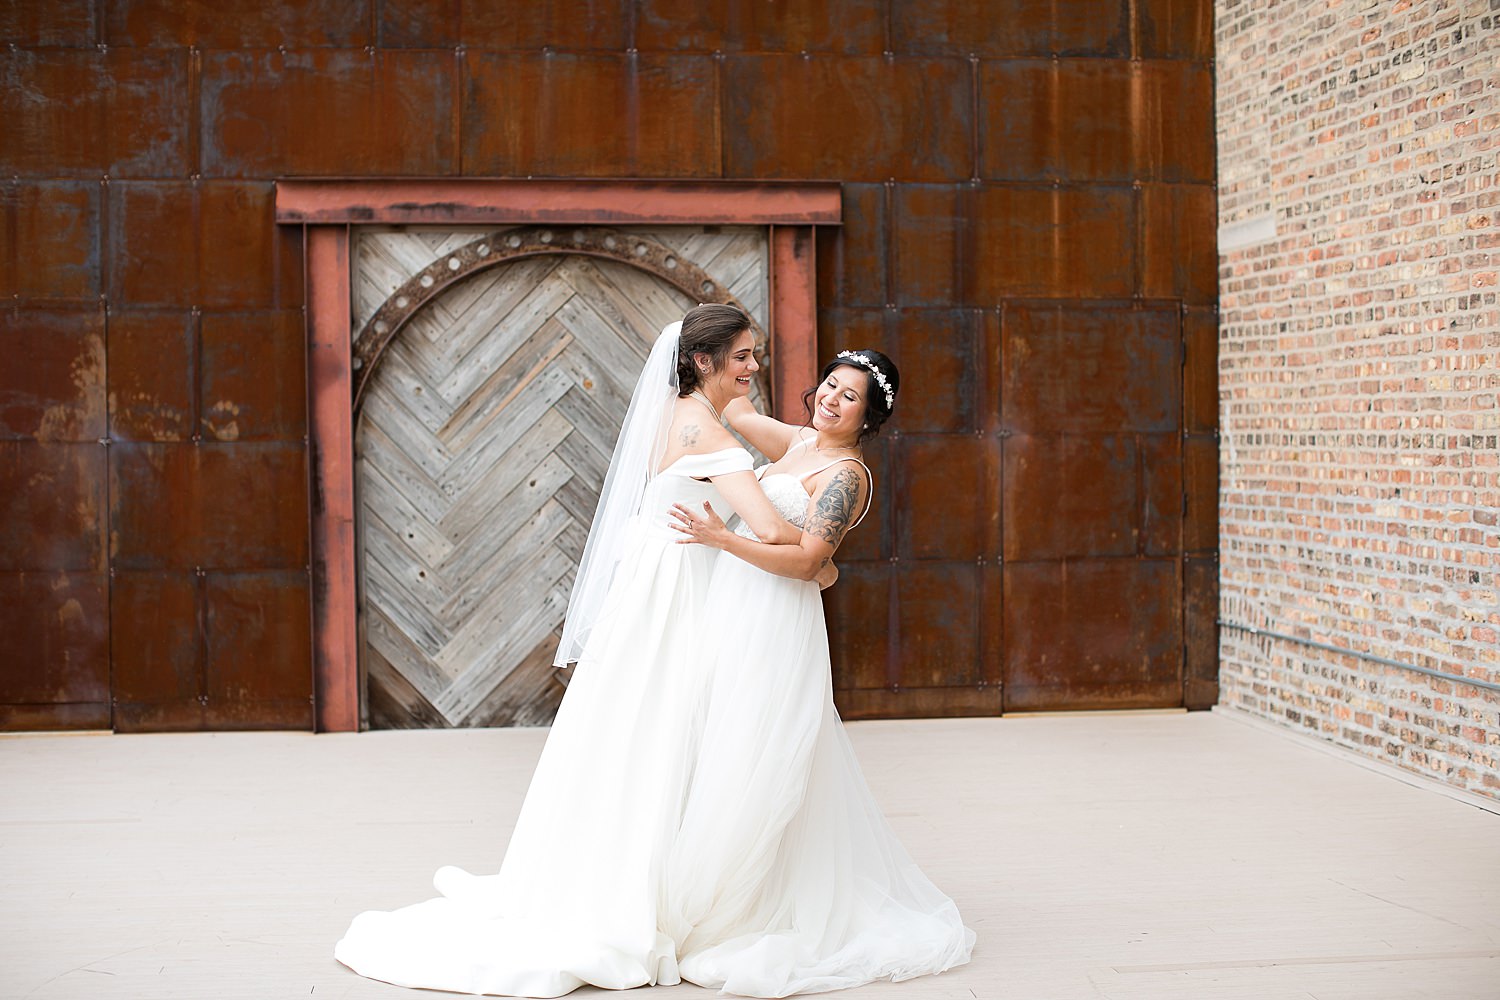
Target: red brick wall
x,y
152,414
1360,452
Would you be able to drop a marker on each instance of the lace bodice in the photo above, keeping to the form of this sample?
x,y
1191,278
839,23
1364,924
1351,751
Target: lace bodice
x,y
786,494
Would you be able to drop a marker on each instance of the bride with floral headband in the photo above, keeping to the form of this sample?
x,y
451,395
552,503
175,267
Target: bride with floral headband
x,y
784,876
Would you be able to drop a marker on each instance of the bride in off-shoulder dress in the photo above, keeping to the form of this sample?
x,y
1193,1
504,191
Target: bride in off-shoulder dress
x,y
577,898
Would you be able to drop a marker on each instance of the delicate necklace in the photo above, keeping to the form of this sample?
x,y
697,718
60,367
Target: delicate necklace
x,y
824,451
704,400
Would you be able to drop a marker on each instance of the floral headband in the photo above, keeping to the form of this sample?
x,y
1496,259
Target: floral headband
x,y
890,397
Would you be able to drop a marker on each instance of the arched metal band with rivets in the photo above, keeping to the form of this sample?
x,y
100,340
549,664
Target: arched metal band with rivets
x,y
509,245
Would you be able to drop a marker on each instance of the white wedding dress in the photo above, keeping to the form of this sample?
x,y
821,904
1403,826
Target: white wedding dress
x,y
785,877
578,897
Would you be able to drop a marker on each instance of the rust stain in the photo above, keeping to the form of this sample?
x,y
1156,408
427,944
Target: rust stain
x,y
70,612
220,420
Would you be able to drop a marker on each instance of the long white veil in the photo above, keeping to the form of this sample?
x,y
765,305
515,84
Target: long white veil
x,y
638,451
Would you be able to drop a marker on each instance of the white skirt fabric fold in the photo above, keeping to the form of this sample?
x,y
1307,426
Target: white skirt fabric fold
x,y
785,877
576,900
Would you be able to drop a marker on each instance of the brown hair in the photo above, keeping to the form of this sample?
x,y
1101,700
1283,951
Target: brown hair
x,y
706,329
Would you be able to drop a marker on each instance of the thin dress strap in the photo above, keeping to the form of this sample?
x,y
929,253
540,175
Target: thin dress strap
x,y
869,501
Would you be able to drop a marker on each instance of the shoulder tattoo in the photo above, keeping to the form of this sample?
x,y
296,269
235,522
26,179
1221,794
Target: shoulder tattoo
x,y
688,436
834,509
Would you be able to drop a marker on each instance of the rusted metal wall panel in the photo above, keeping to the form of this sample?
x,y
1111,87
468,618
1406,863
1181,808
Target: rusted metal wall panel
x,y
61,23
234,24
328,112
1093,633
1012,27
848,27
1014,175
590,115
794,117
49,236
88,113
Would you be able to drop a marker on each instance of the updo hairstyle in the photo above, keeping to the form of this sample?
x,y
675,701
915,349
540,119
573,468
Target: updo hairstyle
x,y
706,329
877,410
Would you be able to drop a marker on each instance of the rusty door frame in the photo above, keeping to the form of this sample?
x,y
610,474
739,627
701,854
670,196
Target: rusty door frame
x,y
327,210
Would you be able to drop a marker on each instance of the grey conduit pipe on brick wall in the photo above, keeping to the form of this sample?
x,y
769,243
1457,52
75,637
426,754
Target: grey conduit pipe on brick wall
x,y
1371,657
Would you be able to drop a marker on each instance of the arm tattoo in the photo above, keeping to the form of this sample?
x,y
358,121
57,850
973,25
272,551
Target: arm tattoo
x,y
834,508
689,435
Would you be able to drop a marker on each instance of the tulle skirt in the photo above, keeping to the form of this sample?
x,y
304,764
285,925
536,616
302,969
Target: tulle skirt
x,y
697,812
785,877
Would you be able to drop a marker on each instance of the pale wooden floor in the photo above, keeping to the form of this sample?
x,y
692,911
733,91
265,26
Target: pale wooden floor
x,y
1110,856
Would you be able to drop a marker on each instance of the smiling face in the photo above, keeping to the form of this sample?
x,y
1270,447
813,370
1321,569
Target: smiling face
x,y
732,380
839,404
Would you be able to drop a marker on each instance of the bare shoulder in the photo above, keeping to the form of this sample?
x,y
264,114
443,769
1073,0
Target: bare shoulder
x,y
694,430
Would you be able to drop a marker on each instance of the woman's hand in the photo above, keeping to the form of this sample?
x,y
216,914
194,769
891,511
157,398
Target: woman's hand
x,y
706,528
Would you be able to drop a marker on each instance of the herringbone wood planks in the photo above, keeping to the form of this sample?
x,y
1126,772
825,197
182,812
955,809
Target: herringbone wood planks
x,y
482,444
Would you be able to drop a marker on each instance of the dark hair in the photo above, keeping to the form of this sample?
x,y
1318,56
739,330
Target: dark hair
x,y
706,329
877,410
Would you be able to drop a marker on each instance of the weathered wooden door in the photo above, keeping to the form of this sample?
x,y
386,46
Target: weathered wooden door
x,y
484,436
